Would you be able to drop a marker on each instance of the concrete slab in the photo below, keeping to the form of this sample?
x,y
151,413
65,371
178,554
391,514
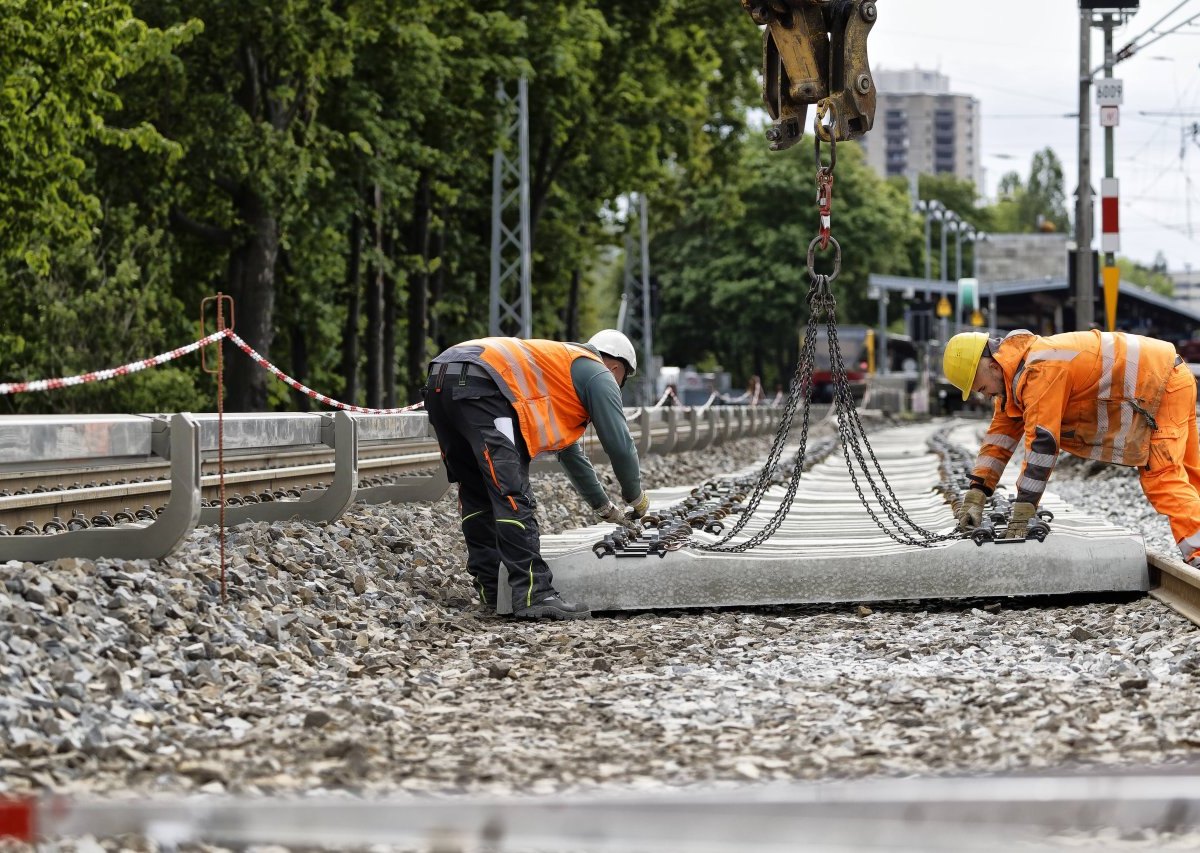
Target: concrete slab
x,y
828,549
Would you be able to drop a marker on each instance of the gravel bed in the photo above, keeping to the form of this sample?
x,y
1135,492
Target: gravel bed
x,y
350,657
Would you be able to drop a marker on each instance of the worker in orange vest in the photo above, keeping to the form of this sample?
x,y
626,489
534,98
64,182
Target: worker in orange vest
x,y
496,402
1109,396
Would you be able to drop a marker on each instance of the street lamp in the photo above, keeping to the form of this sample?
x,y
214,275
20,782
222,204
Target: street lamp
x,y
984,237
964,230
932,209
950,221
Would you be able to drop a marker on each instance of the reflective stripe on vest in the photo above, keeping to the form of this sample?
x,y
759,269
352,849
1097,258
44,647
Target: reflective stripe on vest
x,y
1133,350
535,376
1108,358
524,369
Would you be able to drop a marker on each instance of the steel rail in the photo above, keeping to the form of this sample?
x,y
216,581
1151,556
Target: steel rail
x,y
83,476
148,484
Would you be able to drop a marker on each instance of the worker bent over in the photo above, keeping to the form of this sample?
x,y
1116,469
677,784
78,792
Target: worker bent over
x,y
1109,396
496,402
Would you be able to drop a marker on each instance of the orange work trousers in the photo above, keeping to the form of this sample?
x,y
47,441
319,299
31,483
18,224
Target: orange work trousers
x,y
1171,477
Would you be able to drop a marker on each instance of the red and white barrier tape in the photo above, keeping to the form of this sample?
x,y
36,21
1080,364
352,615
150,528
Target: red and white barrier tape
x,y
162,358
712,398
667,395
304,389
111,373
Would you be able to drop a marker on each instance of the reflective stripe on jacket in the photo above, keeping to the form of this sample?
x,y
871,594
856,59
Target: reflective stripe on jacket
x,y
535,376
1093,394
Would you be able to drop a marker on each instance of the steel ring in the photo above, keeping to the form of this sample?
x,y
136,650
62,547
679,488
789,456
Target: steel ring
x,y
837,256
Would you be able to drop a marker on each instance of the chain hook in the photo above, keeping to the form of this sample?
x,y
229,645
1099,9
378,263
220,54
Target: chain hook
x,y
821,133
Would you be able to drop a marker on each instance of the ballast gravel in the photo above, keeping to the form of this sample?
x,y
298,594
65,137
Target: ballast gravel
x,y
350,657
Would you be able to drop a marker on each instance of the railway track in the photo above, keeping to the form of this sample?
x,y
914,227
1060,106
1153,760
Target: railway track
x,y
42,500
46,501
38,498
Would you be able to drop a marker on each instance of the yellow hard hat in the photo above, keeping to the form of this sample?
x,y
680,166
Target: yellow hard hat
x,y
961,360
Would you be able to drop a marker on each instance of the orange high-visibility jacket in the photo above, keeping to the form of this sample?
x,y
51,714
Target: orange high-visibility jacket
x,y
1093,394
535,376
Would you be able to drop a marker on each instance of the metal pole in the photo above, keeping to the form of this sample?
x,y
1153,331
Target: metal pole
x,y
497,213
992,309
526,239
1109,258
647,322
958,234
958,308
928,252
945,321
945,218
1085,276
510,305
881,359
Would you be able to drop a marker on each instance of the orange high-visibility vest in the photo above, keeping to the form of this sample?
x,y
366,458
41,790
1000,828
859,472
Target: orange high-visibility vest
x,y
1093,394
535,376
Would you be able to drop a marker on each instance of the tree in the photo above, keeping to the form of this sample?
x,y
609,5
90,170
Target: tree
x,y
1152,277
1037,204
959,195
732,271
59,64
328,163
74,261
246,105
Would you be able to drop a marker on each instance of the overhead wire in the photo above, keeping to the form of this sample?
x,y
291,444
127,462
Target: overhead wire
x,y
1133,47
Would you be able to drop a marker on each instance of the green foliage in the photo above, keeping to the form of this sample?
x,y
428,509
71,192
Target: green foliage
x,y
169,149
1035,204
1150,277
959,195
733,270
60,61
104,304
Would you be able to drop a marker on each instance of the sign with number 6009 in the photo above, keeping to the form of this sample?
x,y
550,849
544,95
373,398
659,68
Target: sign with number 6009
x,y
1110,92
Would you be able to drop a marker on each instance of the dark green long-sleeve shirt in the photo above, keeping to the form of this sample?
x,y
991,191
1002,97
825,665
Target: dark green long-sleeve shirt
x,y
601,397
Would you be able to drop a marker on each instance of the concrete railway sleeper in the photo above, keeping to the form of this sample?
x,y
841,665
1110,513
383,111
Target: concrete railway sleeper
x,y
43,522
826,549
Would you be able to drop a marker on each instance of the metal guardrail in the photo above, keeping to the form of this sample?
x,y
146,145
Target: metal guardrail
x,y
176,439
61,444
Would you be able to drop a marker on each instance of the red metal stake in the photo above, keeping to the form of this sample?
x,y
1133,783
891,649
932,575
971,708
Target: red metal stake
x,y
219,301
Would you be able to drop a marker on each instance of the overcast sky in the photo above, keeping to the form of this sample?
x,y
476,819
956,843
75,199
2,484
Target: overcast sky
x,y
1020,58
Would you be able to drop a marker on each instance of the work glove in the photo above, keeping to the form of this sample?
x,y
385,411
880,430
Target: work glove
x,y
611,513
970,514
1018,524
640,506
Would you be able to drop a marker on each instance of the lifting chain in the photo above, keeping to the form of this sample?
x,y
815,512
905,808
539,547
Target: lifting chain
x,y
852,435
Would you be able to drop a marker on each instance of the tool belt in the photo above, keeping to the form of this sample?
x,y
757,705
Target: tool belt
x,y
459,373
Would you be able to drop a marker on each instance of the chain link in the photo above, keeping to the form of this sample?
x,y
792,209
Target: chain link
x,y
799,391
852,435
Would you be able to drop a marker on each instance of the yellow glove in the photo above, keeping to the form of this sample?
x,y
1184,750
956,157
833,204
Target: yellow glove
x,y
640,506
970,514
1022,511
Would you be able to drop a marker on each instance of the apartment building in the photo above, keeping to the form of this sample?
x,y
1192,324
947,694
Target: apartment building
x,y
921,126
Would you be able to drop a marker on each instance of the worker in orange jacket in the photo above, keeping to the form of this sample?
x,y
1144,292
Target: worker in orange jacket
x,y
1108,396
496,402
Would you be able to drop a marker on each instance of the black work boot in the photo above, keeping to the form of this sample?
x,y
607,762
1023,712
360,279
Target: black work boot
x,y
485,603
552,606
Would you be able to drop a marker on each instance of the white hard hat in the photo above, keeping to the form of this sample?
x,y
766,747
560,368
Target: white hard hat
x,y
613,344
